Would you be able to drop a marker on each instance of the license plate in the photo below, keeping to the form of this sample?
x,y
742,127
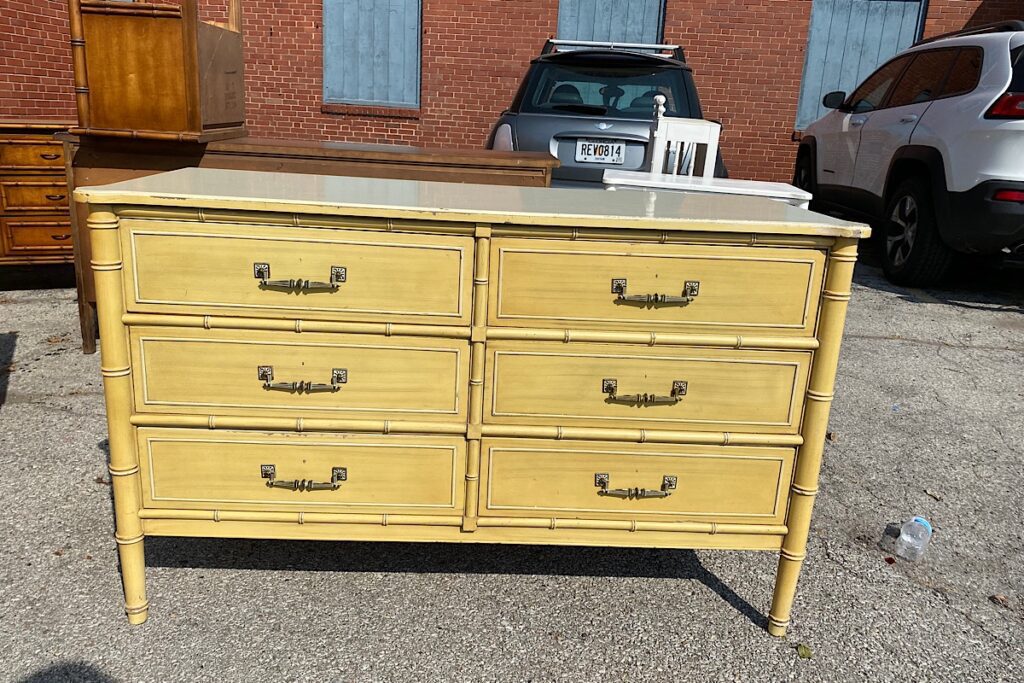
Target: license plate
x,y
600,151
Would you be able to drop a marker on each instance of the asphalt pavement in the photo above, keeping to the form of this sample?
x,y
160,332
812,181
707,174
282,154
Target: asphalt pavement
x,y
927,420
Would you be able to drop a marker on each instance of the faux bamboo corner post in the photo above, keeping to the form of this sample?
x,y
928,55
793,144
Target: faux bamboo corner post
x,y
151,70
835,299
115,366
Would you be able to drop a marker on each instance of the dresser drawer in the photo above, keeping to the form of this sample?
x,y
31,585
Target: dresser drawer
x,y
549,283
685,388
192,469
52,233
603,480
33,193
19,153
233,372
220,268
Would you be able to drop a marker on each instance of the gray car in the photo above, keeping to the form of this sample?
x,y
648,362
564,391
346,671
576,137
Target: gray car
x,y
590,105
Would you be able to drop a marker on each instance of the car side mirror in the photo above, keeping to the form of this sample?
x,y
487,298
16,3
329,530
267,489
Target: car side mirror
x,y
834,100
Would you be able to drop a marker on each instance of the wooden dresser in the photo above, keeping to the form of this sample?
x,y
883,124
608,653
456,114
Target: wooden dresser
x,y
35,225
312,357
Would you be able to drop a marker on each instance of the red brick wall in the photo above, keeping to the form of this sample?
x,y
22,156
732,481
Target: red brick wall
x,y
35,60
747,59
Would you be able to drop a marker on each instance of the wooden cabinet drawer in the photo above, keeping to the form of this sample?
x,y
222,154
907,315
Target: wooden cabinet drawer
x,y
570,384
549,283
33,193
559,479
212,269
192,469
21,154
359,376
37,234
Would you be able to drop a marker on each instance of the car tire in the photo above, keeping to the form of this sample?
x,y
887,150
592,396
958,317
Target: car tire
x,y
803,173
913,253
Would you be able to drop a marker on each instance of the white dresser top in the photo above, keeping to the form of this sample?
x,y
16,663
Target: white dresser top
x,y
497,204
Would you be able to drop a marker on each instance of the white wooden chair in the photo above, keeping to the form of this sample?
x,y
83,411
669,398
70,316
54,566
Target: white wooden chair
x,y
674,142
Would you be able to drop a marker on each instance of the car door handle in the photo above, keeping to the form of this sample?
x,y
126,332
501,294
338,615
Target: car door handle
x,y
858,121
909,118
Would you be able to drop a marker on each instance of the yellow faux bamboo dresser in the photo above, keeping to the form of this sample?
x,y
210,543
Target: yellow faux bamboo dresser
x,y
310,357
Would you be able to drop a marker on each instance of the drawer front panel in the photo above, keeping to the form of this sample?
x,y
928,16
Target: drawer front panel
x,y
53,233
21,154
33,193
219,372
712,483
193,469
211,268
725,389
548,283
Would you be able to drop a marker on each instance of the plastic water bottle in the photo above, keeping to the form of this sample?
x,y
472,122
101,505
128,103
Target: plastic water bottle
x,y
913,540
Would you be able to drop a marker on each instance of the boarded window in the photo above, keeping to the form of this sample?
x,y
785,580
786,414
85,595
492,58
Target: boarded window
x,y
372,52
625,21
847,40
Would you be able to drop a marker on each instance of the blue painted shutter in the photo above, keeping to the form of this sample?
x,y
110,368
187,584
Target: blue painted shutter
x,y
847,40
372,52
626,21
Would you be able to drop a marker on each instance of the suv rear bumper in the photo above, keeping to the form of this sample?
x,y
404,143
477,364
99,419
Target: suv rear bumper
x,y
979,224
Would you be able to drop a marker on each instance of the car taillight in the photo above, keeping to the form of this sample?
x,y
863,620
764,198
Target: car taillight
x,y
1009,196
1009,106
503,138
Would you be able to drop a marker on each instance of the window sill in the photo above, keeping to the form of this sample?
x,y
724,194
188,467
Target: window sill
x,y
369,110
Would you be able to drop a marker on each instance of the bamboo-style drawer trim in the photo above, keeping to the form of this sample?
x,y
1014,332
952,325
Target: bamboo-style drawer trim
x,y
586,480
194,370
37,234
681,288
728,341
23,153
202,268
298,325
33,193
298,424
665,436
303,472
550,523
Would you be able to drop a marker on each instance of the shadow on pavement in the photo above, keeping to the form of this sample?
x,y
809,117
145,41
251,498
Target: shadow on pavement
x,y
975,284
59,276
438,558
79,672
7,343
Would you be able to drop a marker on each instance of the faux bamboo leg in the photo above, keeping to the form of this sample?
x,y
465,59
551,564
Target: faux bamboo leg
x,y
478,350
115,367
835,298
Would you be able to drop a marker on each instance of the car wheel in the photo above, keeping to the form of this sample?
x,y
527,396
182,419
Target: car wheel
x,y
913,253
802,174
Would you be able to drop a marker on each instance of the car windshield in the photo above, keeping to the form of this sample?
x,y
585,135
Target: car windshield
x,y
625,92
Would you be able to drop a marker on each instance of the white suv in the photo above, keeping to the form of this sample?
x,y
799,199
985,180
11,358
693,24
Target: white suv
x,y
930,148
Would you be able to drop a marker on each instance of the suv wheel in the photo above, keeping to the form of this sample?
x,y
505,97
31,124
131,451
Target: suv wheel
x,y
913,253
802,173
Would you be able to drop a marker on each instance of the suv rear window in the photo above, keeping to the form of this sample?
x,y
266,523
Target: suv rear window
x,y
625,92
1017,60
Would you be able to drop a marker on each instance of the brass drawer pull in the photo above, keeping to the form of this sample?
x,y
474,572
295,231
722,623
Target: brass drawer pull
x,y
50,157
691,288
265,373
668,484
610,387
338,475
261,271
60,238
55,197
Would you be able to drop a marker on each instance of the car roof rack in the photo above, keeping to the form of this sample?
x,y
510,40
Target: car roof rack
x,y
996,27
553,44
